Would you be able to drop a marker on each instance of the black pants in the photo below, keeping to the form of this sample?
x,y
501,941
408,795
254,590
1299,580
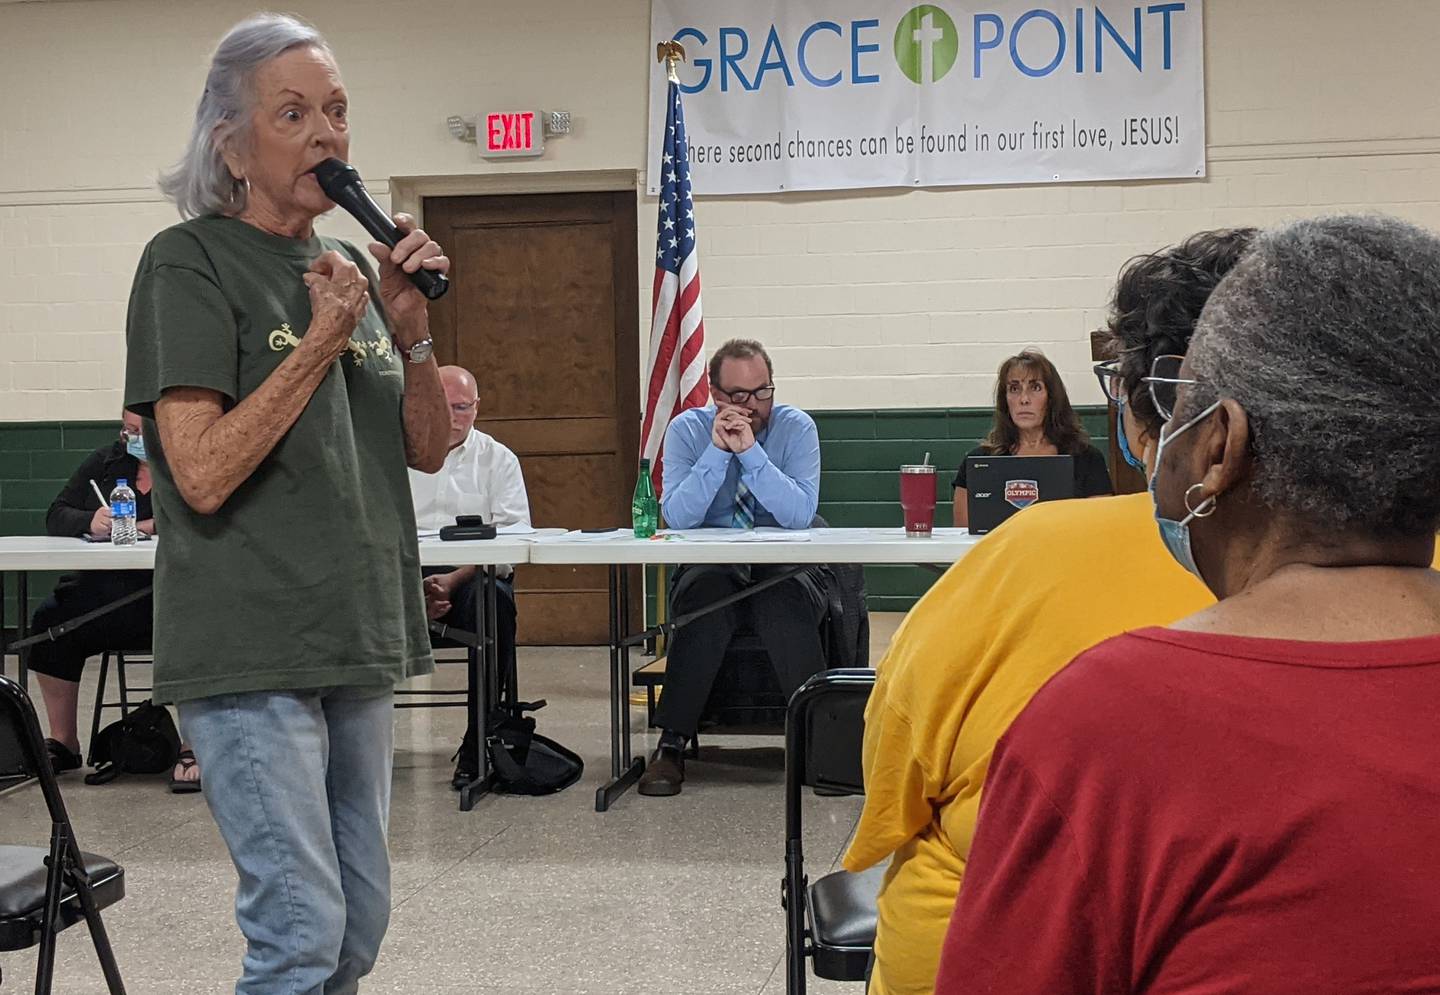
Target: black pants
x,y
126,628
462,615
786,617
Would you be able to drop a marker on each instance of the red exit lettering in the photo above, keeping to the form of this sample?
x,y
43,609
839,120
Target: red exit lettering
x,y
510,132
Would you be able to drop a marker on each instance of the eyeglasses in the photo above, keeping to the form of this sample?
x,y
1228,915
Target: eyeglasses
x,y
1111,383
741,396
464,409
1165,381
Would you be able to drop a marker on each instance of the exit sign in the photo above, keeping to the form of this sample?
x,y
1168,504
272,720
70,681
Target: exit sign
x,y
511,133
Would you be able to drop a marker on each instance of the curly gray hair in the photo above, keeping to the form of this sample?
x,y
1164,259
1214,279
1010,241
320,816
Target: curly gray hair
x,y
201,183
1328,333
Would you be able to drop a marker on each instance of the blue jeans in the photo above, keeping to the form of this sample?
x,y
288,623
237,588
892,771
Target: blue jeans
x,y
299,784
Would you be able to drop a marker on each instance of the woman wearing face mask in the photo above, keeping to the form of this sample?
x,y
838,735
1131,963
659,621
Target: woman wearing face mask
x,y
1033,417
76,512
1244,801
945,693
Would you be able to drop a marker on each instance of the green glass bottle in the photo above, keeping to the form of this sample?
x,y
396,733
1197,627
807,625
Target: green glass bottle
x,y
644,509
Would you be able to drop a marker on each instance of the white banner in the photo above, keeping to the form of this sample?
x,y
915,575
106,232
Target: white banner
x,y
839,94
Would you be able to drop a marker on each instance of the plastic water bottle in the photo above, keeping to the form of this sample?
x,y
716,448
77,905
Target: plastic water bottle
x,y
122,514
644,509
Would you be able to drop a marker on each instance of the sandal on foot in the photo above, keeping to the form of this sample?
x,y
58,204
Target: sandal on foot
x,y
62,758
185,761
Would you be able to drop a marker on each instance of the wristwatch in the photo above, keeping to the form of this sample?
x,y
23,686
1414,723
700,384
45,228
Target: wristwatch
x,y
419,352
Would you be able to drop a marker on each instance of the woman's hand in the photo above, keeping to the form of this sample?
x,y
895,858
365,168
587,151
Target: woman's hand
x,y
404,303
339,296
100,521
147,526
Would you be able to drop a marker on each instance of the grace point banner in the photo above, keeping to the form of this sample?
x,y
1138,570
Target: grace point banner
x,y
847,94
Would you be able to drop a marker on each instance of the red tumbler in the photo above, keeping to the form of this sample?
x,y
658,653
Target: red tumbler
x,y
917,498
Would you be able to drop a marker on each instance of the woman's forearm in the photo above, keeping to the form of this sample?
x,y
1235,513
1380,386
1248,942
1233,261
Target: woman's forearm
x,y
212,451
426,417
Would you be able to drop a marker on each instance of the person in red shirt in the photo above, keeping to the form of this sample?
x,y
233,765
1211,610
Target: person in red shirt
x,y
1245,801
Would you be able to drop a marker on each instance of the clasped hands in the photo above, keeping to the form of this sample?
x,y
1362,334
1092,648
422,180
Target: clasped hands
x,y
732,432
439,590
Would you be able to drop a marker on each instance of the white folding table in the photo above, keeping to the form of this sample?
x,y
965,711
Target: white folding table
x,y
621,549
22,555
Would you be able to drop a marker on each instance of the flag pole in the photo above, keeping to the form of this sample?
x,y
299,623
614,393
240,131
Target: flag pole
x,y
672,53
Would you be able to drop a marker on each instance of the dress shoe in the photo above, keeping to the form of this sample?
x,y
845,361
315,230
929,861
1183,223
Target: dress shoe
x,y
664,774
62,758
465,767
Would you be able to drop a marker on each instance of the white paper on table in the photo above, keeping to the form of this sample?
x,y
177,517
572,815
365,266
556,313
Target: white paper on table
x,y
939,532
742,535
577,536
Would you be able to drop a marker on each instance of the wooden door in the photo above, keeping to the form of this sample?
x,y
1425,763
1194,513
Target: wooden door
x,y
543,311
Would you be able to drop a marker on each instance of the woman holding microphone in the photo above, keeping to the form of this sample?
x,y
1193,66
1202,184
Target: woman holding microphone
x,y
284,391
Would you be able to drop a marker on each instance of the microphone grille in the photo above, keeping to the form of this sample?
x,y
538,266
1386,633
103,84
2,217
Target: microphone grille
x,y
334,175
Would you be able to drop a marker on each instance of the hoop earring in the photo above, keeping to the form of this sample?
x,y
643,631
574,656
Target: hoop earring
x,y
1207,505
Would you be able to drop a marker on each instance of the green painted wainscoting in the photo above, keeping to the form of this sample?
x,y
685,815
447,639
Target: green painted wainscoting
x,y
860,452
36,458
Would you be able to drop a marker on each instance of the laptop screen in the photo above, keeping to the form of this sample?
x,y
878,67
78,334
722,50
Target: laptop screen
x,y
999,486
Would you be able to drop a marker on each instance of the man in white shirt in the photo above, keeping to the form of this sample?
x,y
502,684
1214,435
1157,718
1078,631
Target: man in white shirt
x,y
480,477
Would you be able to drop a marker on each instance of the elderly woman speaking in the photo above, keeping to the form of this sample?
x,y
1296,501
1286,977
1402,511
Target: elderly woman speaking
x,y
1244,801
284,392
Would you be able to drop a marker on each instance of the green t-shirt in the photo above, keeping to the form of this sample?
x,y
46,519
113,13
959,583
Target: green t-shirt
x,y
309,575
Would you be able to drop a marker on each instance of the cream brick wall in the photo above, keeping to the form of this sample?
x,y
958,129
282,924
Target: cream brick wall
x,y
885,299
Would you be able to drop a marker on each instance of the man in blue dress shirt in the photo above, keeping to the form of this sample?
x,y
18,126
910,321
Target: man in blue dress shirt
x,y
741,462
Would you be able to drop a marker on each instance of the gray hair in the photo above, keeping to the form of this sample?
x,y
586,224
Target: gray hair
x,y
1328,334
201,183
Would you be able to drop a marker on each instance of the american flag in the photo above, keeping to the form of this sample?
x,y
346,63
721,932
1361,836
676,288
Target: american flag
x,y
676,379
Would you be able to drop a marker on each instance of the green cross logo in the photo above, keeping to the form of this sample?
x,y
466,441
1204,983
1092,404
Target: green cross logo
x,y
926,44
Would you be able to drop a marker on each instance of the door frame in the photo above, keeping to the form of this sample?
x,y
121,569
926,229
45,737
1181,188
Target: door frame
x,y
408,194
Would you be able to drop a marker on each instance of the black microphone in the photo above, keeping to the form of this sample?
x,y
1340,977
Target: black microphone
x,y
343,185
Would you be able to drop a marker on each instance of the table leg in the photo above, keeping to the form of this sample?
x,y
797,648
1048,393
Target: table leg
x,y
623,770
22,626
480,664
4,640
624,699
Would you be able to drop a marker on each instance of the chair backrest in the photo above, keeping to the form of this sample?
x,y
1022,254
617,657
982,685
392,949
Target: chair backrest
x,y
824,735
20,737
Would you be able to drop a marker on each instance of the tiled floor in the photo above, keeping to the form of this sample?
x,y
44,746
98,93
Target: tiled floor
x,y
522,896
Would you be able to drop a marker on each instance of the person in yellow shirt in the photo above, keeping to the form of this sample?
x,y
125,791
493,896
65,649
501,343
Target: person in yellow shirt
x,y
1042,588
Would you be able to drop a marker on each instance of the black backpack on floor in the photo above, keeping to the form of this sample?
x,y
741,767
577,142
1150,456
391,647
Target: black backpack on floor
x,y
143,742
525,762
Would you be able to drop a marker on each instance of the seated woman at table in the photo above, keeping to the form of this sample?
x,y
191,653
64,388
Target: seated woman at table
x,y
1244,801
75,512
972,652
1033,417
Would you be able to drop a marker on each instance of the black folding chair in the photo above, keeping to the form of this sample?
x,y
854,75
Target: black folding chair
x,y
44,891
832,922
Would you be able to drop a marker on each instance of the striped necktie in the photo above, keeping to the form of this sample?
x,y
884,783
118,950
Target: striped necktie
x,y
744,517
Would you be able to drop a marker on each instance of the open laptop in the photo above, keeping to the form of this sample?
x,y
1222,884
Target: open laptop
x,y
999,486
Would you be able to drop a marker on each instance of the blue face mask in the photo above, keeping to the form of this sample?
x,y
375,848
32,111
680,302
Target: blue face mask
x,y
1130,457
1176,535
135,446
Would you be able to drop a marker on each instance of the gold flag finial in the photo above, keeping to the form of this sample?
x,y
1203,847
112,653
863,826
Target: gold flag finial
x,y
672,53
